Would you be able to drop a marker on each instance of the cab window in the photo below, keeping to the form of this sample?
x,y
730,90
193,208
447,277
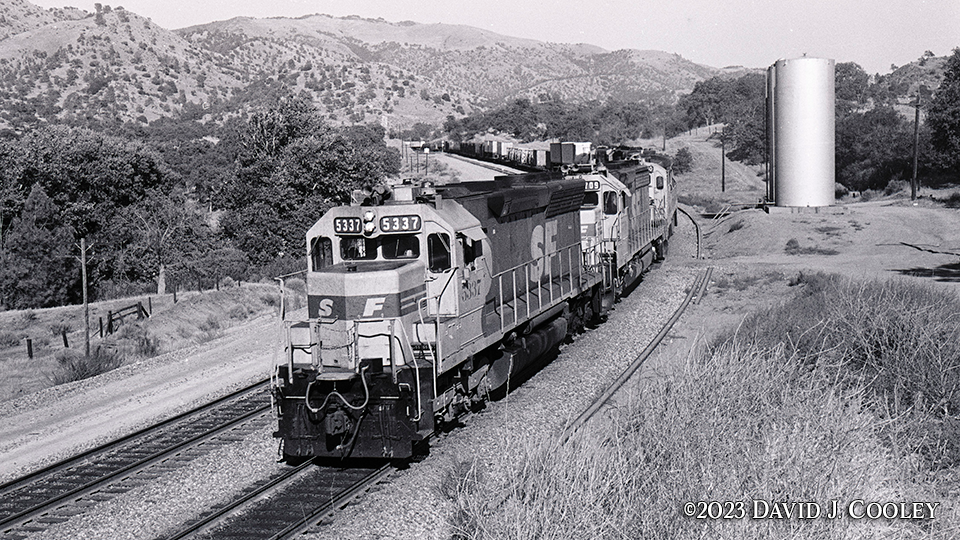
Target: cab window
x,y
438,252
610,203
321,253
590,199
471,248
356,248
400,246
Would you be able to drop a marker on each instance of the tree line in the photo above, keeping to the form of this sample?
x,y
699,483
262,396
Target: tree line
x,y
175,203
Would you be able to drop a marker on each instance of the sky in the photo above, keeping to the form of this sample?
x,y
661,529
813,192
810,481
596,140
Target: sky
x,y
717,33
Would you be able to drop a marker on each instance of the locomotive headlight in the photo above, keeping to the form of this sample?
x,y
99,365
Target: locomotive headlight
x,y
369,226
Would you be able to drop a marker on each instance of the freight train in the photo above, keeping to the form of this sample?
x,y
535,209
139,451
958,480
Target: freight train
x,y
430,302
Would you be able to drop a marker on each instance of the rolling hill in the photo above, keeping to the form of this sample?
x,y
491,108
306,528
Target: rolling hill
x,y
70,65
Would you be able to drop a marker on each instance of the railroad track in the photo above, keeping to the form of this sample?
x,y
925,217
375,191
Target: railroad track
x,y
63,490
287,505
694,295
485,164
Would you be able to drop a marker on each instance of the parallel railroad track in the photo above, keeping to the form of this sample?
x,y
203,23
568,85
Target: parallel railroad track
x,y
60,491
694,295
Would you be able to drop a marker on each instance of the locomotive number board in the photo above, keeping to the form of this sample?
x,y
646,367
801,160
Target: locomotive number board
x,y
347,225
392,224
592,185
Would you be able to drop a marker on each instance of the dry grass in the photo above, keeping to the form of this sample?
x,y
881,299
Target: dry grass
x,y
843,393
195,318
793,247
72,365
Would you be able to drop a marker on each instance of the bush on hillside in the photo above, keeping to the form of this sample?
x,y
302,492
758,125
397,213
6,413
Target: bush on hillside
x,y
72,365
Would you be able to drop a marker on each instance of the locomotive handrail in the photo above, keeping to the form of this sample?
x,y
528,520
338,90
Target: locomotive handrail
x,y
416,369
547,260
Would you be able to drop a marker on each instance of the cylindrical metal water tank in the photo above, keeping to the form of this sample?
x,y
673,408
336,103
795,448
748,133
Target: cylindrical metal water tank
x,y
804,132
771,141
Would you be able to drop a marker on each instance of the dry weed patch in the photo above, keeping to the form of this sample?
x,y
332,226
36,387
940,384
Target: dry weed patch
x,y
846,392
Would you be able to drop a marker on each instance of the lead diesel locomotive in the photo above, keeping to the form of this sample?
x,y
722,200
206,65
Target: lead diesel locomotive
x,y
429,303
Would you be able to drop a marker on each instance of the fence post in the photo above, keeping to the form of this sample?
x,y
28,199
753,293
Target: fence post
x,y
174,296
64,334
30,348
109,322
150,304
101,327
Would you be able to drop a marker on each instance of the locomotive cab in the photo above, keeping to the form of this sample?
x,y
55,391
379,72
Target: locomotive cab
x,y
388,290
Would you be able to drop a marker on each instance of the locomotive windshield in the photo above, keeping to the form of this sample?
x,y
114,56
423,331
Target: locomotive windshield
x,y
590,199
356,248
400,246
321,253
395,246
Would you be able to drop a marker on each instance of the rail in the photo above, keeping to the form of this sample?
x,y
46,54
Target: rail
x,y
574,426
29,501
697,227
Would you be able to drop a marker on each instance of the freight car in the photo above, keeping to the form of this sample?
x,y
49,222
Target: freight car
x,y
431,302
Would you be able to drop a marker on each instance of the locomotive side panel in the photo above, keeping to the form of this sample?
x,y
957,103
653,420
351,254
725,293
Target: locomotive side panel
x,y
532,224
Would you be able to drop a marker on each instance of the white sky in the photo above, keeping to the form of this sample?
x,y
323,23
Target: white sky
x,y
718,33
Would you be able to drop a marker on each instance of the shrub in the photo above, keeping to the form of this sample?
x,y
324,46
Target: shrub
x,y
139,340
238,313
953,201
840,190
72,365
896,186
9,339
793,248
27,317
210,329
58,328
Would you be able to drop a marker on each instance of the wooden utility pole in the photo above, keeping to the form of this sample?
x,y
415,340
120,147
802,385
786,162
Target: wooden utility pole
x,y
723,161
86,306
914,185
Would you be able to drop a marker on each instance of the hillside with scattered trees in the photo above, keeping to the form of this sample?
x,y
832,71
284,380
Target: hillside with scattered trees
x,y
185,157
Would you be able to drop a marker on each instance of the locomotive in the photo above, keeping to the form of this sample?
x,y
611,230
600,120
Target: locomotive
x,y
428,303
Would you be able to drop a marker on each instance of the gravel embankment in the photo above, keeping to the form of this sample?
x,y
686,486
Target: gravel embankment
x,y
410,505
